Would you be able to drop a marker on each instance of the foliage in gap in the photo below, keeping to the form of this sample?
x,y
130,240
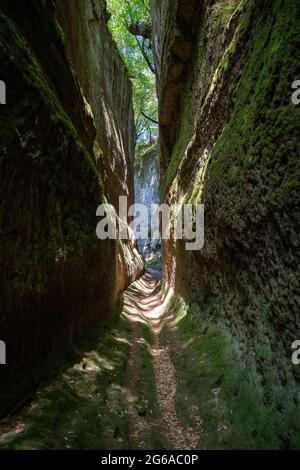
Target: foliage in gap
x,y
130,25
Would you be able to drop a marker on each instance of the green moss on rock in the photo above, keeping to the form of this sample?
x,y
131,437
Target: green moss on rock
x,y
236,151
52,267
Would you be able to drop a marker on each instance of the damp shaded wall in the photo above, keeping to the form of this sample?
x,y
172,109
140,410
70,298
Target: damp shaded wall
x,y
230,140
57,278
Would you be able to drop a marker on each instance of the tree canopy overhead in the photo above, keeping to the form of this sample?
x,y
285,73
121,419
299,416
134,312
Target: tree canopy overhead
x,y
130,24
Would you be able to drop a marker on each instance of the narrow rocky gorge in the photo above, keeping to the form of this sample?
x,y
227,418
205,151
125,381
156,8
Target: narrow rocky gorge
x,y
142,344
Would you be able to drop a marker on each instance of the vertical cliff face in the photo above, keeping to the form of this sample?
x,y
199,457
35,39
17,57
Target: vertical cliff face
x,y
66,145
107,89
229,140
146,189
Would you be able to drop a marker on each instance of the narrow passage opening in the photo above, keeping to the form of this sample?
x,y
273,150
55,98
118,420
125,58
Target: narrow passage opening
x,y
130,24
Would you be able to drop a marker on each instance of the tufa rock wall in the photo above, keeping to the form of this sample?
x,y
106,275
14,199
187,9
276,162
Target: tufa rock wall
x,y
107,89
229,140
57,278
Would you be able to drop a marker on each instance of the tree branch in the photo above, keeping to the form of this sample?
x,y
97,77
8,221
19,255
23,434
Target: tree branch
x,y
149,118
148,62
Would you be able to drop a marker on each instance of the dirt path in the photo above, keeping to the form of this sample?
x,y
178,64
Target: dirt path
x,y
143,305
122,394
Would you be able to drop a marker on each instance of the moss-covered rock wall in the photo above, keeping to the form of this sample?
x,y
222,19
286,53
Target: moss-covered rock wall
x,y
229,140
57,278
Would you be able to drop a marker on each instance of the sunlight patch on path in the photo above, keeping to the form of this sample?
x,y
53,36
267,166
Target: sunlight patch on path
x,y
143,305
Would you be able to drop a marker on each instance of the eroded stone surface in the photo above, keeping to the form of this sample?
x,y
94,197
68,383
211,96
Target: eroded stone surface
x,y
229,141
